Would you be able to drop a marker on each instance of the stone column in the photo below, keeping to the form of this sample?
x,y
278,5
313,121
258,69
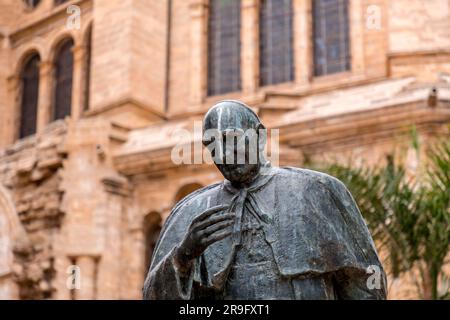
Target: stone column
x,y
111,282
44,113
9,130
79,53
63,280
8,287
357,25
199,42
88,272
250,45
303,49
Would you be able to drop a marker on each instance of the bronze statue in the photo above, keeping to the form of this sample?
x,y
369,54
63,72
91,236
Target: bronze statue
x,y
264,232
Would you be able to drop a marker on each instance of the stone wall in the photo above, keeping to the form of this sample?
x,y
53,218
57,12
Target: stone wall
x,y
31,170
85,188
129,42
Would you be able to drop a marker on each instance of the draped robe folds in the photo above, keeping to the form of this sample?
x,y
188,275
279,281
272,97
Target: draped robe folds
x,y
310,220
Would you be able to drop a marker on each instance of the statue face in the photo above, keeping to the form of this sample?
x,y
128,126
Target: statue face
x,y
236,155
231,133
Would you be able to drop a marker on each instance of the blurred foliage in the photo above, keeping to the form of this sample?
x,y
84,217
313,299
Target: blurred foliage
x,y
408,216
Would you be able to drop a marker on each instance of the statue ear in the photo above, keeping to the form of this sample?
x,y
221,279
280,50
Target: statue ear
x,y
261,127
262,136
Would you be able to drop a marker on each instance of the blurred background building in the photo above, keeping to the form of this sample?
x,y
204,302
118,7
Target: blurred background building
x,y
93,92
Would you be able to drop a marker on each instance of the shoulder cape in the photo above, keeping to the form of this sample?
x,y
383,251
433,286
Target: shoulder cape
x,y
318,227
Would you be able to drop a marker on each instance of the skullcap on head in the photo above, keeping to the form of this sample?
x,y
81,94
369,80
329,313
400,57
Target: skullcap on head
x,y
231,114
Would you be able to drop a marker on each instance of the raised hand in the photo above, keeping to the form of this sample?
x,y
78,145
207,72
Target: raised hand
x,y
209,227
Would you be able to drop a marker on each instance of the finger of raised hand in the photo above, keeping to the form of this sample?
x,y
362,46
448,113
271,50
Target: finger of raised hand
x,y
212,220
209,212
216,236
216,227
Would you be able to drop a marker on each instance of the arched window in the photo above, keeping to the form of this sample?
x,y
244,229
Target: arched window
x,y
152,228
32,3
30,95
87,70
275,35
58,2
186,190
224,46
63,80
331,36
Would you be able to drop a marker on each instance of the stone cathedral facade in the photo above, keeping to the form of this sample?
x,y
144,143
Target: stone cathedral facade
x,y
93,92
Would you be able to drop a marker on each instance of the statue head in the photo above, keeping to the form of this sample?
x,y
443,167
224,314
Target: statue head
x,y
235,137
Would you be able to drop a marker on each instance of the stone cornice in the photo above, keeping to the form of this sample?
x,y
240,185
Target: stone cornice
x,y
42,20
120,103
421,53
317,134
144,162
326,132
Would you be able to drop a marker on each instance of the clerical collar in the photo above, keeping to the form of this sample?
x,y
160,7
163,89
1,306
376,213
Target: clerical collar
x,y
265,175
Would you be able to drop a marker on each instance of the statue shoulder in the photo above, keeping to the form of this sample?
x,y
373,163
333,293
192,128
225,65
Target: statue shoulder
x,y
193,198
311,177
176,223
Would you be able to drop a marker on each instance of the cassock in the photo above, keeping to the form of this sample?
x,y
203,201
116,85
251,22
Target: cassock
x,y
298,234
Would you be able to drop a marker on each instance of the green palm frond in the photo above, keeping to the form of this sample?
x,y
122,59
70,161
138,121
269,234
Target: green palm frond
x,y
410,218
